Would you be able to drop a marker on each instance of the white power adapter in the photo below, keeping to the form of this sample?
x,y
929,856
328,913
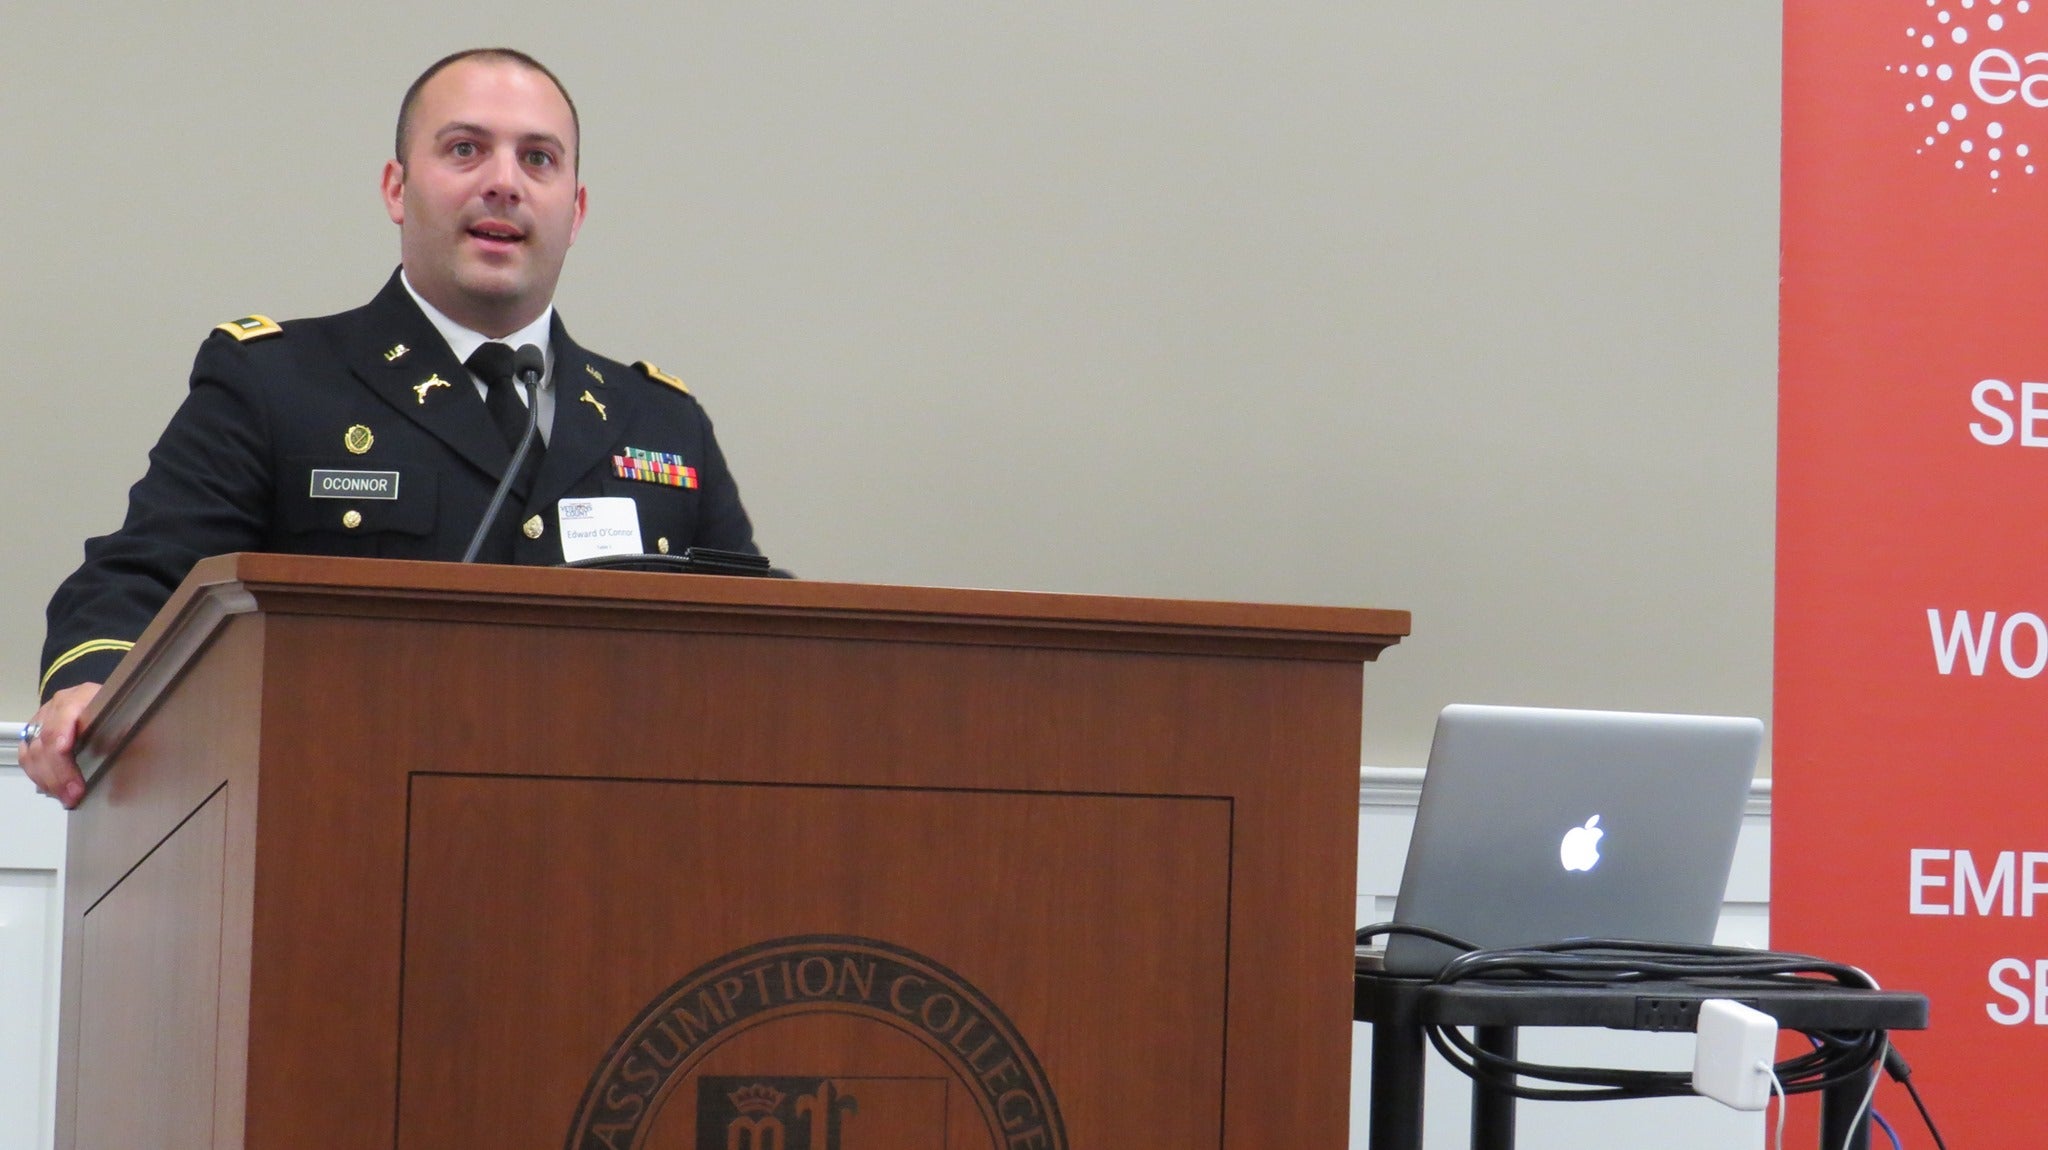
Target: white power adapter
x,y
1731,1063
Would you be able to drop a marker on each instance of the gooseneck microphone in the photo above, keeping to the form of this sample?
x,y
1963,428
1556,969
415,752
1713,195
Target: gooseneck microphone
x,y
529,363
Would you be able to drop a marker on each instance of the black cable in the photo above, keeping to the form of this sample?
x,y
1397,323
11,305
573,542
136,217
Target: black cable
x,y
1592,1083
1913,1092
1895,1065
1434,935
1836,1058
1628,960
1798,1076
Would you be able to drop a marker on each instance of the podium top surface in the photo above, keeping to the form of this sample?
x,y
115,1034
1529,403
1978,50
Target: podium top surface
x,y
224,587
1362,631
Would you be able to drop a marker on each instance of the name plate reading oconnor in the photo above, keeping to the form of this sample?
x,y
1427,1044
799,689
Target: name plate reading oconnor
x,y
338,484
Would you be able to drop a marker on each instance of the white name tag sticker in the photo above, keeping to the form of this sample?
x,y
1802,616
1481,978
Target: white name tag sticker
x,y
609,525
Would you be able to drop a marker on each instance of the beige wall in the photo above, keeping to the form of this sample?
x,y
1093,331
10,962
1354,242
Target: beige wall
x,y
1466,308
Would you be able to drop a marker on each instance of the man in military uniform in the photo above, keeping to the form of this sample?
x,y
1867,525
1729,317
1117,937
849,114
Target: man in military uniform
x,y
384,430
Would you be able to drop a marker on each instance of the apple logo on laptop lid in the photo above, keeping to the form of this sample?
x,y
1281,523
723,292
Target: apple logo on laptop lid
x,y
1580,850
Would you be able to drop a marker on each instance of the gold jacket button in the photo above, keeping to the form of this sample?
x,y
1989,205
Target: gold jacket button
x,y
351,519
661,545
533,528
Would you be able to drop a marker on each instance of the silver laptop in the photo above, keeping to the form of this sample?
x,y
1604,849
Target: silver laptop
x,y
1540,825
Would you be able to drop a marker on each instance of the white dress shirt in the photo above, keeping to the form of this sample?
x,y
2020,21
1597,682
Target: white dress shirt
x,y
464,342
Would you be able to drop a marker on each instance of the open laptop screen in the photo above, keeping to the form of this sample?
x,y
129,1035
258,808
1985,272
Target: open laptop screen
x,y
1539,825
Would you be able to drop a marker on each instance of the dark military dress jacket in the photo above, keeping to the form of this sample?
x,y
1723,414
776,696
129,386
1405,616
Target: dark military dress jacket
x,y
360,434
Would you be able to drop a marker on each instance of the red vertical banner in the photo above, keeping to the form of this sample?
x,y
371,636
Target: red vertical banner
x,y
1910,824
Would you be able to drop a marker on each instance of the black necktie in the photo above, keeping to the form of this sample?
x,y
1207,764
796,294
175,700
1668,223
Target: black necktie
x,y
492,363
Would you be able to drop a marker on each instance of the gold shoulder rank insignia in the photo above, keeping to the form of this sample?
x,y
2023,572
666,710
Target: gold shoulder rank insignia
x,y
250,327
659,376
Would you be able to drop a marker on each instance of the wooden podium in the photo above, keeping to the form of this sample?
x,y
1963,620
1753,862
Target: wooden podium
x,y
402,855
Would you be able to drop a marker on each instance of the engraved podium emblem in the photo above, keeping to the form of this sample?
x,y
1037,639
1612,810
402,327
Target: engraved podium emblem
x,y
753,1114
721,1060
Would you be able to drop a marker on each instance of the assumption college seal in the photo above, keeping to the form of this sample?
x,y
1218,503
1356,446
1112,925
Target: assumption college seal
x,y
819,1042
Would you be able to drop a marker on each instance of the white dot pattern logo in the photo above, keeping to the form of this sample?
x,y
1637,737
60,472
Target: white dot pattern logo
x,y
1973,76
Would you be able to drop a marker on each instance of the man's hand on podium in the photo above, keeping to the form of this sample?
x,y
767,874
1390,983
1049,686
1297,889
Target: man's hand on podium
x,y
48,757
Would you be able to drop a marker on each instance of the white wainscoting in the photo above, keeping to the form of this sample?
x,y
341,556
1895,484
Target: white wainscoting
x,y
1386,813
31,936
31,930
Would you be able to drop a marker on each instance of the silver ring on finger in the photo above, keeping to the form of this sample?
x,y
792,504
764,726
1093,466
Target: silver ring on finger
x,y
28,734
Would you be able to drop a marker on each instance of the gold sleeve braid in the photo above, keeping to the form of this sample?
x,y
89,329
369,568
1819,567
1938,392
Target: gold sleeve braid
x,y
89,647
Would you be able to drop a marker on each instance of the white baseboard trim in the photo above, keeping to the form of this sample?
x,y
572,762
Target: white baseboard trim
x,y
1402,787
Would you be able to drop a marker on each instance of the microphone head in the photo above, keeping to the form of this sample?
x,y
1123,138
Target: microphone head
x,y
529,363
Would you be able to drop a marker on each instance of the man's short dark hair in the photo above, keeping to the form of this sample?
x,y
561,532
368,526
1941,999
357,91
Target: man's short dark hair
x,y
510,56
